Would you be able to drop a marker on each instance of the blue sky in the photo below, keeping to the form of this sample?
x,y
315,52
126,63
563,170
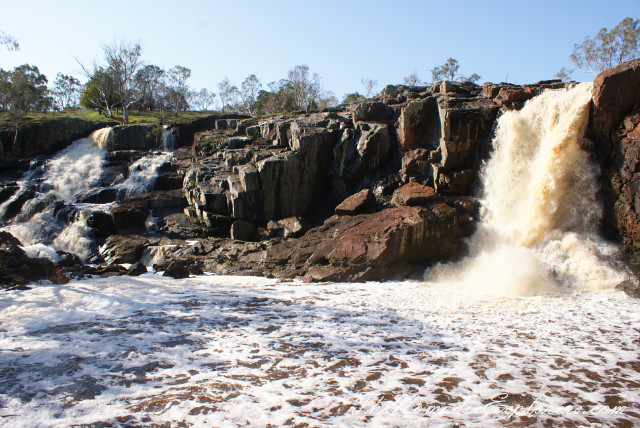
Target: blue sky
x,y
343,41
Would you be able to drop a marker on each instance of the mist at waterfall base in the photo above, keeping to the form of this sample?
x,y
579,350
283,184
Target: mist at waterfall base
x,y
528,330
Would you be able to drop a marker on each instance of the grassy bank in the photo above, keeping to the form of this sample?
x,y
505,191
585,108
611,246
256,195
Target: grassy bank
x,y
153,117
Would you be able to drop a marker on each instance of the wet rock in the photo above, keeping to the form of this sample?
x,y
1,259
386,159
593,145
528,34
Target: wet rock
x,y
130,215
182,269
120,249
17,269
356,203
130,137
137,269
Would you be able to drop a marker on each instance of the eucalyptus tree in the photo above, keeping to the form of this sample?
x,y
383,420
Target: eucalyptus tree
x,y
608,48
151,82
178,90
65,91
124,60
9,42
306,87
228,94
23,90
412,80
99,92
368,84
203,99
249,91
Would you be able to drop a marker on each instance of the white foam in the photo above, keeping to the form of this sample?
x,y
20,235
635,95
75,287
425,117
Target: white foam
x,y
240,351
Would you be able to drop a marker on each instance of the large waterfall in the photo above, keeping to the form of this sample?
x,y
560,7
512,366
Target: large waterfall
x,y
540,214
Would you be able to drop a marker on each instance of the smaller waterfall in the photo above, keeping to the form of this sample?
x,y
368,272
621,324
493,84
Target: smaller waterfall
x,y
57,184
144,172
169,141
49,212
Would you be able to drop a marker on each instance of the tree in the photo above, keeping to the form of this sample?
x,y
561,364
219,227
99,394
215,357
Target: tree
x,y
369,84
203,99
449,71
446,71
151,82
227,93
99,92
23,90
608,48
278,99
563,74
9,42
65,91
353,98
327,99
306,87
249,91
124,60
178,90
412,80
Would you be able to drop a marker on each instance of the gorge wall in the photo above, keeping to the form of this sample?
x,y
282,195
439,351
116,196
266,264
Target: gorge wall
x,y
375,190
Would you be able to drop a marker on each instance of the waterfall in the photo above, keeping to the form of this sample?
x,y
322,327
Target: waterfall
x,y
169,141
144,172
538,230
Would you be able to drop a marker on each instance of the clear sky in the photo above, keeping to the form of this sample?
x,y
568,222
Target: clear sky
x,y
341,40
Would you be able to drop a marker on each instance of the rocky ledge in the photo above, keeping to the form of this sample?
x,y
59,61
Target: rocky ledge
x,y
371,191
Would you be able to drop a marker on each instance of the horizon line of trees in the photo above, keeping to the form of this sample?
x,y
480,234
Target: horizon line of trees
x,y
123,81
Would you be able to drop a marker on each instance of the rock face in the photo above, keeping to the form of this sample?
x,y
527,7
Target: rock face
x,y
614,131
375,190
369,246
45,138
17,269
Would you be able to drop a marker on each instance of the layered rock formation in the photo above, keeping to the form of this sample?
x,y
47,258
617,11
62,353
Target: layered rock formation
x,y
375,190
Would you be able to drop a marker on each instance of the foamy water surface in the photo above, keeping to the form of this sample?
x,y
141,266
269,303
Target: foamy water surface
x,y
242,351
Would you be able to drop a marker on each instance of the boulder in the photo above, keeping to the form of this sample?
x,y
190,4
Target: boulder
x,y
412,194
137,269
370,112
120,249
368,246
182,269
130,215
356,203
291,227
129,137
17,269
242,230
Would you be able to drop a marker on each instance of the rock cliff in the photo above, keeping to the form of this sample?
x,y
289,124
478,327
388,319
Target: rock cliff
x,y
374,190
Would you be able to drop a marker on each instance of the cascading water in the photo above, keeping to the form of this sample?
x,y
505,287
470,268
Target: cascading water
x,y
539,226
54,218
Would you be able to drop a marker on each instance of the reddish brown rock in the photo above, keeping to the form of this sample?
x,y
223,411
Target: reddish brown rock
x,y
369,246
419,124
356,203
615,92
412,194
